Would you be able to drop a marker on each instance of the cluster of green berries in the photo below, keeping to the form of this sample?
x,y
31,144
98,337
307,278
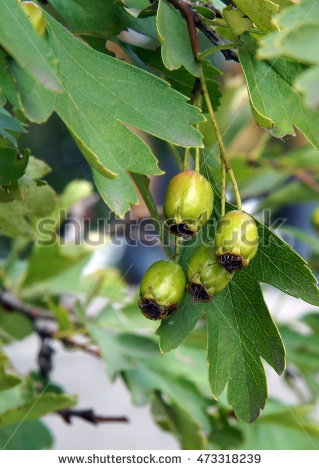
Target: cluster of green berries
x,y
188,206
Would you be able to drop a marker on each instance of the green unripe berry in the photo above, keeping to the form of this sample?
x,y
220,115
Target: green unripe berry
x,y
161,290
205,276
315,219
35,14
236,240
188,204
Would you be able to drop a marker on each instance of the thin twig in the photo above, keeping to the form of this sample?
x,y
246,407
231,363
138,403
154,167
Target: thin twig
x,y
307,179
223,154
90,416
37,316
11,303
223,196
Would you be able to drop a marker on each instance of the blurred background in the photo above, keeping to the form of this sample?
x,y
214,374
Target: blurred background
x,y
278,176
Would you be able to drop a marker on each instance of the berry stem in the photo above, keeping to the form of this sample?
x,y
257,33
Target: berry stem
x,y
223,154
197,100
177,248
186,159
197,156
223,196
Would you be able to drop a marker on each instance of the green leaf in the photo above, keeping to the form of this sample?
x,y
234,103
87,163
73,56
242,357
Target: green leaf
x,y
61,314
117,92
118,194
302,350
36,202
36,101
108,94
283,428
121,352
12,164
95,16
32,53
180,79
15,325
217,4
57,261
178,421
294,192
240,330
260,12
7,381
177,327
277,264
8,89
307,85
295,40
30,435
72,281
96,119
145,379
145,26
174,36
9,123
312,320
298,34
36,407
276,105
37,168
236,20
143,11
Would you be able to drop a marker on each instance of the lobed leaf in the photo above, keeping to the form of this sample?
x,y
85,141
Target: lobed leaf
x,y
240,330
276,105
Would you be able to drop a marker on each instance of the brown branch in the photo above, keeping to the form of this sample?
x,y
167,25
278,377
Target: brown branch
x,y
190,17
90,416
11,303
70,343
307,179
301,175
40,318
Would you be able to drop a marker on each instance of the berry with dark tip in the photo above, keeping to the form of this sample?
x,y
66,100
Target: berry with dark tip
x,y
206,278
162,289
236,240
188,204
